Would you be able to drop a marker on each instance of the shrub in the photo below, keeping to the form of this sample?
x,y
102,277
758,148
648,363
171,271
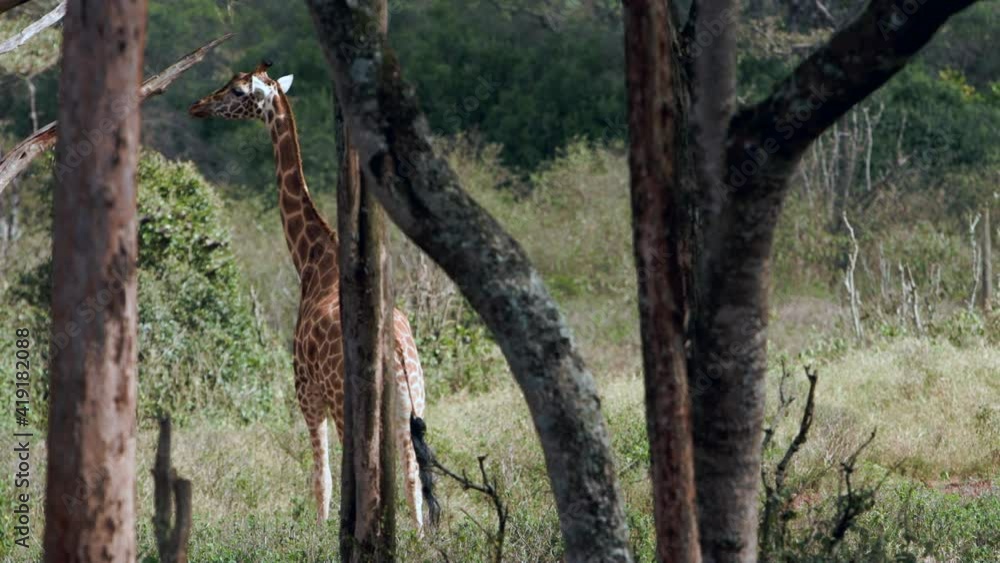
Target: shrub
x,y
200,346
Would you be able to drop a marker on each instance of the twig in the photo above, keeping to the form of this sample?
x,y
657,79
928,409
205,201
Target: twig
x,y
776,496
853,503
17,160
488,488
34,28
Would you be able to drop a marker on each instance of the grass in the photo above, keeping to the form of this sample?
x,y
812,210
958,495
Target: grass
x,y
935,400
253,501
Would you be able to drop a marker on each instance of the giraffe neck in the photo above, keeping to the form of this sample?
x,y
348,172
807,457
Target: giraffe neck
x,y
311,241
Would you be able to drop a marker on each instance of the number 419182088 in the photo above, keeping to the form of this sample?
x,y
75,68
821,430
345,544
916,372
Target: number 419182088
x,y
22,375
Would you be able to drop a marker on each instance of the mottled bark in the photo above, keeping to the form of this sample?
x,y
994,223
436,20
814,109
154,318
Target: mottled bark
x,y
728,334
90,491
658,216
423,197
368,518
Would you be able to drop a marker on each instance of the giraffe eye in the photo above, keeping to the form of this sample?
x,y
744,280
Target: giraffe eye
x,y
238,93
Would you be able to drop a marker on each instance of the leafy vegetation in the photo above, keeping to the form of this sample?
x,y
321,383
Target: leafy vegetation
x,y
200,345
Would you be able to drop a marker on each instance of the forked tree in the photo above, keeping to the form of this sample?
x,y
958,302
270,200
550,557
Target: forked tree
x,y
708,180
90,498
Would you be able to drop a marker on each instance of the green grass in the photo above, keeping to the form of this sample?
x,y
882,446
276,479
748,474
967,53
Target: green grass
x,y
253,501
935,399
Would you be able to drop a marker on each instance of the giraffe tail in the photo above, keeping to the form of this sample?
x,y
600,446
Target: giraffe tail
x,y
425,461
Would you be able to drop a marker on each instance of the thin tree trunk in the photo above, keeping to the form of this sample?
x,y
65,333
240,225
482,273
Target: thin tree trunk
x,y
90,493
422,195
655,156
986,297
368,497
33,110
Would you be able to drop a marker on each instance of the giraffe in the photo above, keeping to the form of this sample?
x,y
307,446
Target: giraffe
x,y
318,351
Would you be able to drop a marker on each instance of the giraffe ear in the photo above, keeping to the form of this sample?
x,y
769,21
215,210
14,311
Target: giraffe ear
x,y
258,88
285,82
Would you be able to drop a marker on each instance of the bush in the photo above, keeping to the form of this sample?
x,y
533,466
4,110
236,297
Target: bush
x,y
200,346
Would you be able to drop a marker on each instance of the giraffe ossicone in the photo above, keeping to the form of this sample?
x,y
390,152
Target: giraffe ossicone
x,y
318,352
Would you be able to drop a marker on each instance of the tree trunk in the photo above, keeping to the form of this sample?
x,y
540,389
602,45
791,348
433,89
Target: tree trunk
x,y
658,216
368,524
422,195
729,326
90,492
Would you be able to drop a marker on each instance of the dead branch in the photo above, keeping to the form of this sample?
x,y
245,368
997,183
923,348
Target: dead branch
x,y
487,488
986,300
976,260
852,288
34,29
852,503
171,492
17,160
777,497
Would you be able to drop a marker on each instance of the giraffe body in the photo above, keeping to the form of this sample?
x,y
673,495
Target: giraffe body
x,y
318,352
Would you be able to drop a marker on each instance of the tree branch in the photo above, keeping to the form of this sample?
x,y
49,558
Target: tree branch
x,y
425,199
34,29
489,489
17,160
855,62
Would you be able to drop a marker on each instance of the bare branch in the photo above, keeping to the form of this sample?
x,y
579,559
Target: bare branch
x,y
489,489
34,29
852,503
17,160
776,495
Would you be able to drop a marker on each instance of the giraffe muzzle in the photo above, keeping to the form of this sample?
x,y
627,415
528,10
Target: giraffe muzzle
x,y
198,109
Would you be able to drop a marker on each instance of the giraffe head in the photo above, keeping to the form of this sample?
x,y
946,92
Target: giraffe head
x,y
245,96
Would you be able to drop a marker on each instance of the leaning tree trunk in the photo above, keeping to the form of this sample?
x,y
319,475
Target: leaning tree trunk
x,y
90,493
656,155
368,519
422,195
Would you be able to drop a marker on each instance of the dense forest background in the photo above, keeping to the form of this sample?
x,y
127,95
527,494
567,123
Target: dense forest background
x,y
527,99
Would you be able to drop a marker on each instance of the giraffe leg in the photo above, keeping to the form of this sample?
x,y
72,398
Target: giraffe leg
x,y
322,482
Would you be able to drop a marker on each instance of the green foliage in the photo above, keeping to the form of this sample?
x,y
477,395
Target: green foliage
x,y
200,346
460,356
942,123
517,83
